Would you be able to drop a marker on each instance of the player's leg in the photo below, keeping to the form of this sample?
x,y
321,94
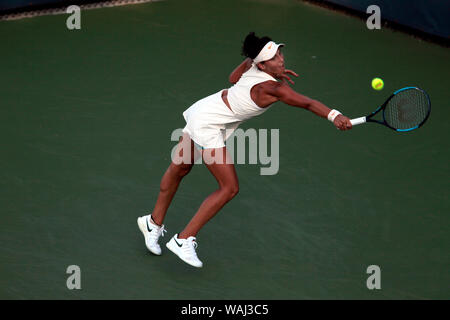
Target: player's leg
x,y
225,174
184,244
183,160
180,166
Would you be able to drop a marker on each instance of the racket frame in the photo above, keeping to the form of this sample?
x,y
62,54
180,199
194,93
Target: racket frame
x,y
368,118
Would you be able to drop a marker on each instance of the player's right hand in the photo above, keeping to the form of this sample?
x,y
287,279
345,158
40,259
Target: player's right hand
x,y
342,123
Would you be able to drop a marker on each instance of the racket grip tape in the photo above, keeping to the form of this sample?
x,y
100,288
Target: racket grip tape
x,y
357,121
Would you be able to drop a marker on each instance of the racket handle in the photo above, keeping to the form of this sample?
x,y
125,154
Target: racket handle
x,y
357,121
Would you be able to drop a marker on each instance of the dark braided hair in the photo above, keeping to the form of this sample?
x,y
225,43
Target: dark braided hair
x,y
253,45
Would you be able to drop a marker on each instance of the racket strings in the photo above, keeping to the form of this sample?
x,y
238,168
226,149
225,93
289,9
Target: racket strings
x,y
407,109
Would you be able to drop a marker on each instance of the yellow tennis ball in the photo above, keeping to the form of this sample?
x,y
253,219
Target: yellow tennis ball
x,y
377,84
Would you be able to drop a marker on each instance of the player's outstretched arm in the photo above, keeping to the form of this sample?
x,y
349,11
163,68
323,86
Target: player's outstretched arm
x,y
286,94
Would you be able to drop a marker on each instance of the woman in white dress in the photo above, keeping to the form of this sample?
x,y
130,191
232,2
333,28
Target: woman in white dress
x,y
259,81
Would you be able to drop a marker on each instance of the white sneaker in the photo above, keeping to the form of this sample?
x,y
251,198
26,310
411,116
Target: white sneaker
x,y
151,232
185,250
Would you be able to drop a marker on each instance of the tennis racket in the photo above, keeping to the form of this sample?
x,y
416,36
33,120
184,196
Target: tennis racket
x,y
405,110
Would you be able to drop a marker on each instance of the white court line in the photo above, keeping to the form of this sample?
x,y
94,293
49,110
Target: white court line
x,y
54,11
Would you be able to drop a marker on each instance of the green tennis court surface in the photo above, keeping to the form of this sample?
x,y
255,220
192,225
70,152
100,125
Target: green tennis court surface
x,y
86,118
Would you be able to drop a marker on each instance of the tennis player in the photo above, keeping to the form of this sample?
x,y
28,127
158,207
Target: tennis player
x,y
259,81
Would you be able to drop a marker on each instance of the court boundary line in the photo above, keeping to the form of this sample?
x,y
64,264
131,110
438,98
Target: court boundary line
x,y
61,9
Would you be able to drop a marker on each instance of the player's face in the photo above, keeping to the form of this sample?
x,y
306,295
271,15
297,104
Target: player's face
x,y
276,64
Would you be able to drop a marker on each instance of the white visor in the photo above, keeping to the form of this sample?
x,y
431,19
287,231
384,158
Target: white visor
x,y
268,52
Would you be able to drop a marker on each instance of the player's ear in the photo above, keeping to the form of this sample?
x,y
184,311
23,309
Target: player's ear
x,y
261,66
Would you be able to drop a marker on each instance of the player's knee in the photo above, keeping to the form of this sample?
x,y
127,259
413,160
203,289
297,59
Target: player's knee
x,y
174,175
234,191
231,191
183,169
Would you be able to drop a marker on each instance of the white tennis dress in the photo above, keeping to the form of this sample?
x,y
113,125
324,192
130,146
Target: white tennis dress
x,y
209,122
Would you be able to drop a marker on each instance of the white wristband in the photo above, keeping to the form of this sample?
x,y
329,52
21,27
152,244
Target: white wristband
x,y
333,114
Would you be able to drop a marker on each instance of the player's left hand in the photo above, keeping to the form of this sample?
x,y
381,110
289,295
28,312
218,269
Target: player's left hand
x,y
284,76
